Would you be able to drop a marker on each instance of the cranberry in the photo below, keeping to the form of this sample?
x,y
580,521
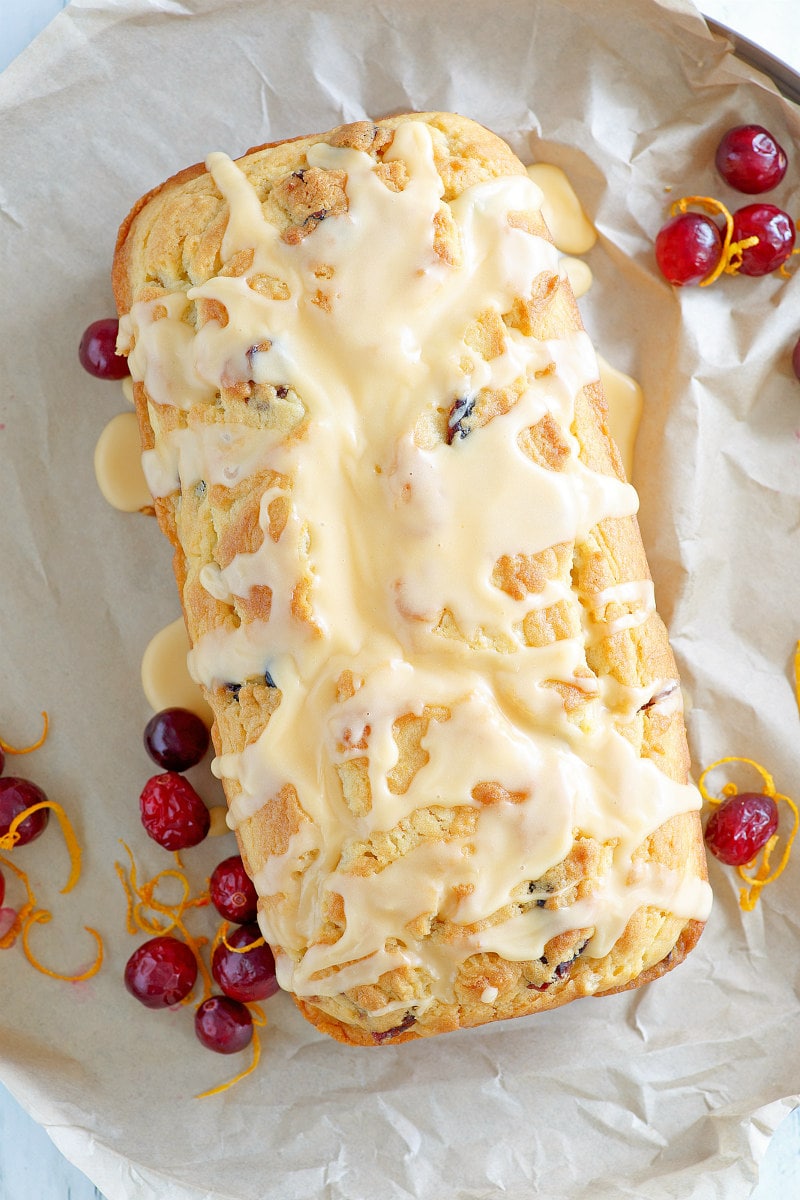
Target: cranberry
x,y
176,739
796,358
688,248
161,972
750,160
775,232
223,1025
97,351
8,919
2,761
232,891
15,796
742,824
248,975
2,888
408,1020
172,812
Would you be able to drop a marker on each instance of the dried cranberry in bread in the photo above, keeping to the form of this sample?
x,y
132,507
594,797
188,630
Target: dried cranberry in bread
x,y
448,720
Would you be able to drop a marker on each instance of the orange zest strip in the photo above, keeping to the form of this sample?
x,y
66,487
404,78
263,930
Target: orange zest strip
x,y
123,878
137,923
10,839
748,896
29,915
219,936
34,746
143,904
258,1014
259,941
11,935
146,925
783,270
730,260
797,674
223,1087
41,917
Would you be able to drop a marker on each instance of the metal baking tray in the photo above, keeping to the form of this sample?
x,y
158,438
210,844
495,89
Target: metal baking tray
x,y
785,78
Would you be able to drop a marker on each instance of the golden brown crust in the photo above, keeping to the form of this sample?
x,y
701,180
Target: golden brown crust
x,y
171,240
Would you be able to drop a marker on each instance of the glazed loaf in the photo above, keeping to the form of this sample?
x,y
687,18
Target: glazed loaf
x,y
447,717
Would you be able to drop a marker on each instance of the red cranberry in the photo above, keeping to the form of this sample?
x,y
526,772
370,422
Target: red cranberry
x,y
176,739
408,1020
15,796
8,919
775,232
248,975
232,891
172,812
161,972
742,824
97,351
223,1025
2,888
688,248
750,160
796,358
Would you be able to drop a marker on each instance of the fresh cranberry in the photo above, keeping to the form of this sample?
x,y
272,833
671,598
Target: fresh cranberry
x,y
408,1020
176,739
232,891
97,351
223,1025
8,919
688,248
796,358
161,972
15,796
2,888
775,232
750,160
742,824
248,975
172,812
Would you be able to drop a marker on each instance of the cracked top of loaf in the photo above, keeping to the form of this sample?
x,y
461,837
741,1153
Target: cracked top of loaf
x,y
448,720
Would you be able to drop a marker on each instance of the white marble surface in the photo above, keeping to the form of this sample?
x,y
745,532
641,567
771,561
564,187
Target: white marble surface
x,y
31,1168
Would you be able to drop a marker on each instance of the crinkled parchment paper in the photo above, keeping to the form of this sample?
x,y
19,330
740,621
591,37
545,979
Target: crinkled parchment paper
x,y
671,1091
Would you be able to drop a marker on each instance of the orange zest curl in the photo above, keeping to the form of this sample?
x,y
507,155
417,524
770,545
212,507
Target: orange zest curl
x,y
130,924
41,917
223,1087
222,936
144,911
29,915
730,260
764,873
783,270
34,745
219,936
10,937
9,840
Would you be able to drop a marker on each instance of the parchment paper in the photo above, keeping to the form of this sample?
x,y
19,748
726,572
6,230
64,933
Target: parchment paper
x,y
671,1091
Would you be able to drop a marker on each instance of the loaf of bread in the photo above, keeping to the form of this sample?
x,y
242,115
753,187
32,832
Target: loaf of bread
x,y
447,717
